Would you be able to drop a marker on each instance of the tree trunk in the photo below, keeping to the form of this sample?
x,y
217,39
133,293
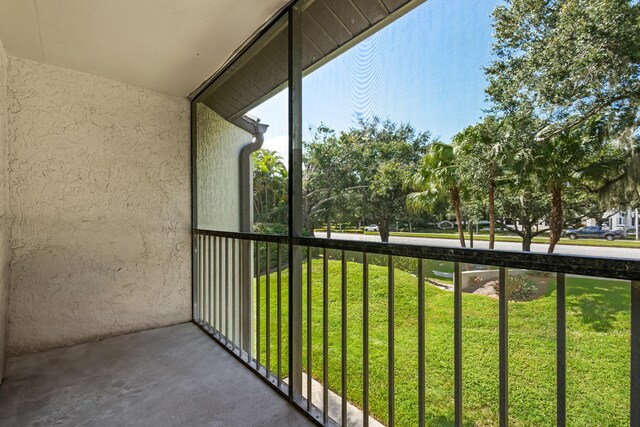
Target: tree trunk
x,y
384,231
556,221
492,214
328,227
455,202
526,239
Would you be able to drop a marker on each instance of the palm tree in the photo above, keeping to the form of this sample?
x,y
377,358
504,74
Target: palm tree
x,y
480,149
564,159
269,184
437,177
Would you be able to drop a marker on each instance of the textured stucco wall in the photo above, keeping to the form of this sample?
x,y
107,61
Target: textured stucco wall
x,y
100,205
4,198
218,153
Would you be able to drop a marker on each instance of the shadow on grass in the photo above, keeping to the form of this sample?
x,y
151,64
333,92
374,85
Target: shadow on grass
x,y
598,301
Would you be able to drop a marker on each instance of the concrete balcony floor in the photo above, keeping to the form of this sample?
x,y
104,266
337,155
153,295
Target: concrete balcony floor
x,y
173,376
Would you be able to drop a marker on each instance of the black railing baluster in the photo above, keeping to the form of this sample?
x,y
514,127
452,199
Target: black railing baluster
x,y
203,281
365,340
241,244
325,337
561,351
279,315
309,342
234,335
214,259
391,343
635,354
457,342
226,291
200,278
344,338
503,327
258,312
421,346
195,253
208,306
219,290
267,321
203,290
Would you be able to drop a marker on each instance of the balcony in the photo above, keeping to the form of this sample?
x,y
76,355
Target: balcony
x,y
174,375
136,286
370,322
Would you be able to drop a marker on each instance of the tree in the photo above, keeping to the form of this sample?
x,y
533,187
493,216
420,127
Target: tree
x,y
522,209
439,175
383,155
573,67
270,181
570,64
571,60
329,182
480,153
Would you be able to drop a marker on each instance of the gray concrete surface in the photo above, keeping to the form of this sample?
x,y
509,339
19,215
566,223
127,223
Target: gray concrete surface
x,y
597,251
172,376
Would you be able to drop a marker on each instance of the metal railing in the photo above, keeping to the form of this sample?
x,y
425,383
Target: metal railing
x,y
233,300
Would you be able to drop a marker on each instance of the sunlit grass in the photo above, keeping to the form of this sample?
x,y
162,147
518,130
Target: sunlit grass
x,y
597,349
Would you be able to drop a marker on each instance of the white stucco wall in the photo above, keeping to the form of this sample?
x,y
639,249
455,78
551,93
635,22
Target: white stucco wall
x,y
4,198
218,154
100,206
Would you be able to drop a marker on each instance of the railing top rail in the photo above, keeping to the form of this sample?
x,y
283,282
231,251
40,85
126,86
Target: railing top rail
x,y
615,268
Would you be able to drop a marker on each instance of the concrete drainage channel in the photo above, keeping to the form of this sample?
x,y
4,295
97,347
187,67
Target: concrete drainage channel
x,y
354,414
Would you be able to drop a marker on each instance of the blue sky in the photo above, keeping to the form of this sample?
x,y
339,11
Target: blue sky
x,y
424,69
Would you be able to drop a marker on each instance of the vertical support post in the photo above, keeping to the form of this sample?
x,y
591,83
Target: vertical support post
x,y
267,302
194,210
325,336
457,342
279,315
635,354
421,352
561,351
391,340
503,327
309,342
344,338
295,201
365,340
258,303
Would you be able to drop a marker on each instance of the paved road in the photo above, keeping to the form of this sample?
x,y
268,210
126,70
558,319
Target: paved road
x,y
598,251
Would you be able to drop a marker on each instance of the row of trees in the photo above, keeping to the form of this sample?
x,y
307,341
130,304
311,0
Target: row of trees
x,y
560,142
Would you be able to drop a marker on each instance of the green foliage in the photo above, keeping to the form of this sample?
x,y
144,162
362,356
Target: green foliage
x,y
569,60
358,174
439,177
270,184
519,288
566,79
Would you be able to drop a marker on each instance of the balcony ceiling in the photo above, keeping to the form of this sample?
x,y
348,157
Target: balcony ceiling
x,y
167,45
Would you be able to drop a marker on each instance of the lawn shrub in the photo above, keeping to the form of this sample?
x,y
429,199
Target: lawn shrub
x,y
519,288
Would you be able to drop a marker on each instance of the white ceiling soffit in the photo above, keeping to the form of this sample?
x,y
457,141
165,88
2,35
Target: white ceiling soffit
x,y
171,46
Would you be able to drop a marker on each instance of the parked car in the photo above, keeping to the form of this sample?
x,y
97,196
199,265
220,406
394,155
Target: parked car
x,y
594,232
372,227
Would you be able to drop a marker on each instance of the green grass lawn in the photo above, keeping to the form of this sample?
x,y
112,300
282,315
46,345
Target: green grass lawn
x,y
597,349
